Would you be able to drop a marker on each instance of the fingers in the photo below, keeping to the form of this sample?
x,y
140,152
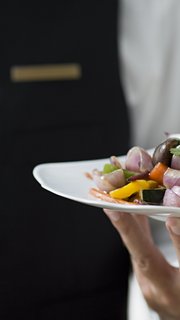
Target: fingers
x,y
133,230
130,231
173,226
159,282
135,233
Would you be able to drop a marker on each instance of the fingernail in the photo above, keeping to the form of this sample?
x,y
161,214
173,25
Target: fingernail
x,y
112,215
174,226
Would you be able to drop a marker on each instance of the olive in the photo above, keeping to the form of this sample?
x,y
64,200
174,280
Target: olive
x,y
162,151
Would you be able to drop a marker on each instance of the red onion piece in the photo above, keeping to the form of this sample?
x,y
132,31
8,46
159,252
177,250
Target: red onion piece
x,y
138,160
172,197
175,162
115,161
171,178
109,181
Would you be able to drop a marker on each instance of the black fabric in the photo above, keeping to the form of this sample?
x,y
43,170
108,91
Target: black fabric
x,y
59,259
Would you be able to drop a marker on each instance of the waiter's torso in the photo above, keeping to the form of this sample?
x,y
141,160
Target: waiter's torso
x,y
60,260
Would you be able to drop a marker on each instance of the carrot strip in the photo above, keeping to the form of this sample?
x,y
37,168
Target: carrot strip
x,y
157,172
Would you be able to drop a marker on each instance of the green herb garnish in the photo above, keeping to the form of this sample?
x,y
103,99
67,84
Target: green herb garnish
x,y
175,151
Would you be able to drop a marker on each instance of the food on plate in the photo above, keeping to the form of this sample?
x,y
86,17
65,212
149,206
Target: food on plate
x,y
162,152
143,178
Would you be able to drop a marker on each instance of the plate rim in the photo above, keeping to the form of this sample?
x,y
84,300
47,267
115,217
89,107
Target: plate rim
x,y
154,210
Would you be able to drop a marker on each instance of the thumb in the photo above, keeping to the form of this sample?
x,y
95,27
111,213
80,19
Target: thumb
x,y
173,226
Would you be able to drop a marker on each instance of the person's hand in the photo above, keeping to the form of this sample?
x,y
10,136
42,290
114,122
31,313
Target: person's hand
x,y
173,226
158,280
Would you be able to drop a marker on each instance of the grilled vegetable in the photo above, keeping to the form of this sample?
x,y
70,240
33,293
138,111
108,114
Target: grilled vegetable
x,y
157,172
138,160
109,181
108,167
172,197
152,196
143,178
131,188
171,178
162,151
175,161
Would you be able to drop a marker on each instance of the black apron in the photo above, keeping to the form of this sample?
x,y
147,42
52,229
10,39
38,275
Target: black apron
x,y
59,259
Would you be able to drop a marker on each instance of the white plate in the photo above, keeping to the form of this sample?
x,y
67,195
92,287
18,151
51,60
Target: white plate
x,y
67,179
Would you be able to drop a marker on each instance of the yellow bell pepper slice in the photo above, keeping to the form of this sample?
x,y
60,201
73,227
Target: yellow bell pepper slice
x,y
132,187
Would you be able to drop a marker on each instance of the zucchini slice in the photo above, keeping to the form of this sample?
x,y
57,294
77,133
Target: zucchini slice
x,y
152,196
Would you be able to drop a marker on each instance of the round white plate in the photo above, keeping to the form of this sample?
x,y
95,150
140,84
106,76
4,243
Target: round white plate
x,y
68,179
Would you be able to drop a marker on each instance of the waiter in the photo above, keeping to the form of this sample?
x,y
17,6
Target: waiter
x,y
61,100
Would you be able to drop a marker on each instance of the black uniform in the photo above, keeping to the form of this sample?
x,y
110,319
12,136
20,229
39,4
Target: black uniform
x,y
59,259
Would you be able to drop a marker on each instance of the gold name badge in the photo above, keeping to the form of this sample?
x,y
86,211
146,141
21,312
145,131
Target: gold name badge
x,y
46,72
